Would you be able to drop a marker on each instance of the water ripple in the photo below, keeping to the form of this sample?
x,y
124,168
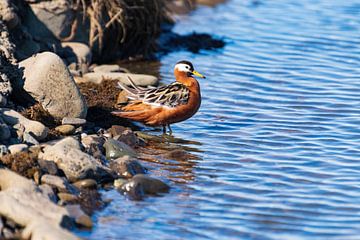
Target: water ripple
x,y
279,129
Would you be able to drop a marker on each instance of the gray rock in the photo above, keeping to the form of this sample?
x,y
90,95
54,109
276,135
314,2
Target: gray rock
x,y
56,15
3,150
73,121
29,138
23,202
65,129
79,216
126,167
115,149
67,197
48,191
48,167
13,118
1,226
48,80
16,148
3,100
80,51
107,68
85,183
8,15
60,183
5,133
141,184
69,158
138,79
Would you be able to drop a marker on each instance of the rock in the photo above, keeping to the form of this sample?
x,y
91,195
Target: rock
x,y
56,16
13,118
48,80
125,135
140,185
107,68
8,15
65,129
67,197
48,167
48,191
3,150
80,52
16,148
128,137
29,138
72,161
60,183
126,167
85,183
87,140
119,182
73,121
5,133
79,216
23,202
122,98
115,149
138,79
1,225
210,2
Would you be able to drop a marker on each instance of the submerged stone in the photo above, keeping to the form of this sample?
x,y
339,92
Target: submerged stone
x,y
116,149
126,167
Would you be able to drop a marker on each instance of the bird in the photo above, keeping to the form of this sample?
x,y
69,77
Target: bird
x,y
164,105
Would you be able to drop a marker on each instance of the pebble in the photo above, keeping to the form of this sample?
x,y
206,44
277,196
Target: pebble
x,y
16,148
79,51
67,197
60,183
5,133
85,183
115,149
126,167
30,139
21,123
79,216
124,135
48,167
107,68
65,129
141,184
3,150
73,121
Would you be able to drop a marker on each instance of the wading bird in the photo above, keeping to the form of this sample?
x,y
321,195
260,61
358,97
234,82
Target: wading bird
x,y
164,105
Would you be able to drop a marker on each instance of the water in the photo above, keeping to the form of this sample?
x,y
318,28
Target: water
x,y
276,143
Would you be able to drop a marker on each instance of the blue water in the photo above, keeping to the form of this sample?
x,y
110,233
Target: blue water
x,y
276,152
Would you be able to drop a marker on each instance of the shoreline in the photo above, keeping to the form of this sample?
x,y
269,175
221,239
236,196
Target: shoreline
x,y
59,143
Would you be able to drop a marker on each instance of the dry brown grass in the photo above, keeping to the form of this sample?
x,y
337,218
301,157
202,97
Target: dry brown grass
x,y
128,27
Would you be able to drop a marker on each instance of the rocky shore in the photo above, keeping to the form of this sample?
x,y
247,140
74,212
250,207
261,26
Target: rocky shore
x,y
59,143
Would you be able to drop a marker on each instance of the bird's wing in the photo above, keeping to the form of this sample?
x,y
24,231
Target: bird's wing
x,y
171,95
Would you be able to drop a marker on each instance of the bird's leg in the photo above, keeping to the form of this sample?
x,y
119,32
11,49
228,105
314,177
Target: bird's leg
x,y
164,129
170,131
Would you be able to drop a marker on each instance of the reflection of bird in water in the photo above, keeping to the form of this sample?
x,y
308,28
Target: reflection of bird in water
x,y
171,156
167,104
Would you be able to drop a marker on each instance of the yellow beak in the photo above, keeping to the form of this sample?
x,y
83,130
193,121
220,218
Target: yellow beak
x,y
198,74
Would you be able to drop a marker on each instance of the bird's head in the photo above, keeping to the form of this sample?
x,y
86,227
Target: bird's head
x,y
186,67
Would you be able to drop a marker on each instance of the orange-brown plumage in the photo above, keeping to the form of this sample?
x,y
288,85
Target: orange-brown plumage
x,y
164,105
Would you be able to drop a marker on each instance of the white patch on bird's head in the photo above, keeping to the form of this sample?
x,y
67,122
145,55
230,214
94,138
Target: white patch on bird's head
x,y
183,67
